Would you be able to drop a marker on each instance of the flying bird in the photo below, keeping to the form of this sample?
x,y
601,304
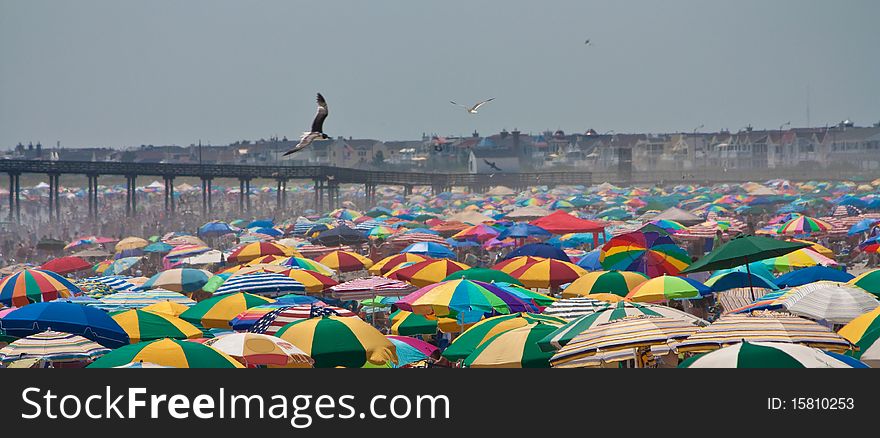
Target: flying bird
x,y
317,131
491,164
473,109
587,42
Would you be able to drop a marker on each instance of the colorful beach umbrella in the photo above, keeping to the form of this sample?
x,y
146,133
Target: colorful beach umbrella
x,y
428,272
483,274
804,225
246,253
466,343
131,243
76,319
668,287
273,321
142,326
345,261
802,258
465,300
407,324
170,353
651,253
429,249
52,346
268,284
258,349
764,355
411,350
34,286
616,282
184,280
167,308
547,273
383,266
334,341
515,348
869,281
216,312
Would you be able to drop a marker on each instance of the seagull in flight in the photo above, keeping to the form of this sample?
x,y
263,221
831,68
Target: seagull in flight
x,y
473,109
587,42
491,164
317,128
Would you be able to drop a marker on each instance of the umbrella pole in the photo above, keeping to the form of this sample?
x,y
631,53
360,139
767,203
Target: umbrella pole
x,y
749,275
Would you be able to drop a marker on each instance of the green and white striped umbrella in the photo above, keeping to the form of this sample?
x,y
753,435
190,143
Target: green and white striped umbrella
x,y
764,355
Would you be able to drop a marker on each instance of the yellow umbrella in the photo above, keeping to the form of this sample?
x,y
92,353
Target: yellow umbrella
x,y
818,248
339,341
166,308
148,326
131,243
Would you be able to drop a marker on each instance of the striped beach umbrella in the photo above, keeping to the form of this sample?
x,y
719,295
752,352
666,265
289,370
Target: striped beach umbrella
x,y
216,312
383,266
257,349
765,355
649,252
572,308
368,287
563,335
548,273
186,250
668,287
428,272
52,346
466,343
838,303
407,324
246,253
148,326
304,263
311,280
263,283
273,321
869,281
622,334
411,350
515,348
170,353
334,341
538,299
864,332
465,300
804,225
167,308
34,286
514,263
184,280
122,265
483,274
764,327
138,299
615,282
267,259
345,261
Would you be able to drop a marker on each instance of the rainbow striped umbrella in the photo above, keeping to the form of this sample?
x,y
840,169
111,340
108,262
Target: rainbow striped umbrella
x,y
246,253
802,258
184,280
619,283
216,312
538,299
804,225
428,272
186,250
345,261
514,263
270,259
34,286
383,266
465,300
102,266
147,326
380,232
648,252
548,273
466,343
668,225
479,232
52,346
170,353
334,341
668,287
304,263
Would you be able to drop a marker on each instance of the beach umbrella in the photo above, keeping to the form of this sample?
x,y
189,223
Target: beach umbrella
x,y
312,281
572,308
131,243
818,248
800,277
829,301
515,348
479,232
345,261
158,247
142,326
669,226
804,225
272,322
34,286
334,341
591,261
379,301
764,326
564,334
216,312
340,235
862,226
429,249
668,287
167,307
547,273
250,251
407,324
465,300
383,266
411,350
755,268
122,265
651,253
50,244
66,265
258,349
622,334
616,282
466,343
141,364
428,272
736,280
215,228
76,319
183,280
175,239
267,284
743,250
542,250
52,346
512,264
140,299
483,274
304,263
802,258
523,231
764,355
864,332
168,352
869,281
380,232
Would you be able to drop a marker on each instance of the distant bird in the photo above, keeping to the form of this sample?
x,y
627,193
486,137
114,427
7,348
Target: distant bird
x,y
473,109
317,131
491,164
587,42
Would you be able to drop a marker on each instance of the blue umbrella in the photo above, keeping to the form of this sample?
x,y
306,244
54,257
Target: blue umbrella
x,y
862,226
215,228
269,231
430,249
590,261
735,279
158,247
121,265
539,250
756,268
264,223
522,230
851,361
462,244
134,252
422,230
77,319
262,283
799,277
294,300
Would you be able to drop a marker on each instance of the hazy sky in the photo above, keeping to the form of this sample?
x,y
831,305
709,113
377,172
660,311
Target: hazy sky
x,y
122,73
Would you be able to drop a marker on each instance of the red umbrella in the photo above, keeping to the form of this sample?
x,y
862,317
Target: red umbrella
x,y
66,265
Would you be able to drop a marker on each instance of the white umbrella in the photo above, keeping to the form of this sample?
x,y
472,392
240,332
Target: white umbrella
x,y
259,349
838,303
